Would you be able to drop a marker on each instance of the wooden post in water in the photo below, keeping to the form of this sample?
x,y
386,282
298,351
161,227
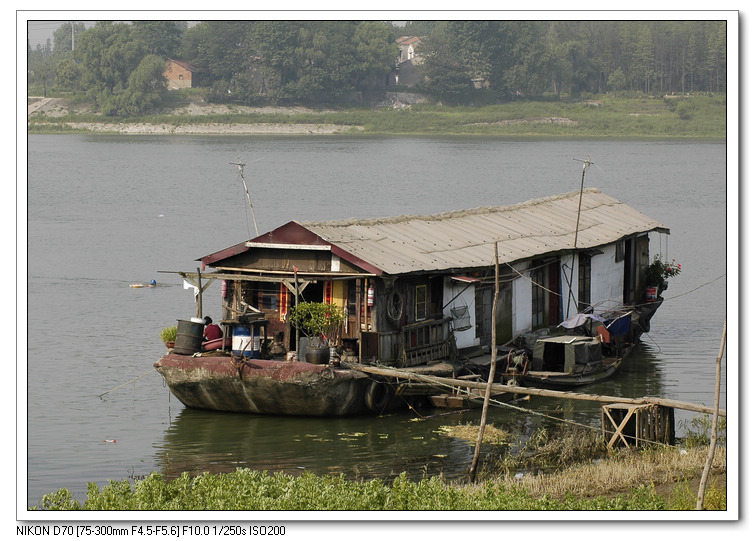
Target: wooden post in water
x,y
714,427
491,376
296,305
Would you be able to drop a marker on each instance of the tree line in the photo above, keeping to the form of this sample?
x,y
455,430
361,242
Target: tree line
x,y
119,66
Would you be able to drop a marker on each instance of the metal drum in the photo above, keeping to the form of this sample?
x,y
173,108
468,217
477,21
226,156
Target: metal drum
x,y
188,337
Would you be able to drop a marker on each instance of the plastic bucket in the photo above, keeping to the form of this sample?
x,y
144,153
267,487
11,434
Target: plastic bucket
x,y
241,342
256,344
188,337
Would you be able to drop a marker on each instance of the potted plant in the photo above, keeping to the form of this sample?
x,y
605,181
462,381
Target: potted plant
x,y
168,335
656,275
321,323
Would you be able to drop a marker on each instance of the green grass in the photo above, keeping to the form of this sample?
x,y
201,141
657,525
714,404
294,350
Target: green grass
x,y
656,478
606,116
253,490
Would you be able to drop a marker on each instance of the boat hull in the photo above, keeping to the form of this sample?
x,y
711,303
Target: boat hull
x,y
222,383
563,380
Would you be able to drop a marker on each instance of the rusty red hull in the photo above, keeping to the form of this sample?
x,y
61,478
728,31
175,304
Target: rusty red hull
x,y
266,387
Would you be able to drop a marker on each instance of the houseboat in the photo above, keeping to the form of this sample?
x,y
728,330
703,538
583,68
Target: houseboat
x,y
416,293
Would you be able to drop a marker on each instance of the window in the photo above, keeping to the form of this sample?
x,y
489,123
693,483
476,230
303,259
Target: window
x,y
538,296
583,293
619,251
483,311
420,303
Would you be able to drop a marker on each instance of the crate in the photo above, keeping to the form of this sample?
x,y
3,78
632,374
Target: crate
x,y
636,425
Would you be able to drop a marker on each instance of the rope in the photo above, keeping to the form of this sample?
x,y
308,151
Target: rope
x,y
698,287
119,386
507,405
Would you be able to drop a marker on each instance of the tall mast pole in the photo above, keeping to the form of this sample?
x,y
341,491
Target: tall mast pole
x,y
585,166
249,199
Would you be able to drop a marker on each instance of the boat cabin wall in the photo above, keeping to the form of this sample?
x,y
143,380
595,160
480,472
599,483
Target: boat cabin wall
x,y
306,261
608,277
275,299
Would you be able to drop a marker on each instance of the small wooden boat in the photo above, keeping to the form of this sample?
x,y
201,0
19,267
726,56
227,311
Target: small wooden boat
x,y
562,361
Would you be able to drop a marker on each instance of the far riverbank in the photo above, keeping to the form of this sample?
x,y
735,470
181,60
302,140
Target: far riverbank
x,y
685,117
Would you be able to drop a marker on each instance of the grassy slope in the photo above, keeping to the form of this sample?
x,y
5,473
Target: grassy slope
x,y
695,117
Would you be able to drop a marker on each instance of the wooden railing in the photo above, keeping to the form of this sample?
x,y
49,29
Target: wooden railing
x,y
423,342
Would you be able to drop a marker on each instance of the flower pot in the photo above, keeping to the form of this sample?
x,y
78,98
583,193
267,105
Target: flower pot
x,y
317,355
170,345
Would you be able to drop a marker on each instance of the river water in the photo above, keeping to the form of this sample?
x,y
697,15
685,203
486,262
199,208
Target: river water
x,y
105,212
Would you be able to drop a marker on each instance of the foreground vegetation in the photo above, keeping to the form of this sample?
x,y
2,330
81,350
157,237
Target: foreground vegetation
x,y
662,478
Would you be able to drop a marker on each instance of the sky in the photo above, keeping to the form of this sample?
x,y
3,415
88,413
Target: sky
x,y
40,31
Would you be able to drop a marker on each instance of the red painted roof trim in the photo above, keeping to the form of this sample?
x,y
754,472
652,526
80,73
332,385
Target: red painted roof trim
x,y
290,233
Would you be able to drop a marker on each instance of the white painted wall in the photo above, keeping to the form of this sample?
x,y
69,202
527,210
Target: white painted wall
x,y
607,280
606,292
522,300
606,286
466,296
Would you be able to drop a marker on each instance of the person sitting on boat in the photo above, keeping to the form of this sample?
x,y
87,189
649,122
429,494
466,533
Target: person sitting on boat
x,y
211,330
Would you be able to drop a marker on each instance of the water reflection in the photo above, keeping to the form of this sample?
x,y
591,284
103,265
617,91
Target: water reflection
x,y
119,198
359,448
382,447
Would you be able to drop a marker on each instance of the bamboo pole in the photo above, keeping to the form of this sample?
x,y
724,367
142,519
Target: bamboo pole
x,y
513,389
199,294
714,427
491,376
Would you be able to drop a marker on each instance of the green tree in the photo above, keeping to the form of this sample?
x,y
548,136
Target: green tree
x,y
221,47
274,43
376,53
162,38
527,72
108,54
43,71
445,76
146,86
716,60
65,37
617,80
324,60
414,28
68,74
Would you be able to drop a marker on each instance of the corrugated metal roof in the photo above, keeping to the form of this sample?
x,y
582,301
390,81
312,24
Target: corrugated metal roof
x,y
464,239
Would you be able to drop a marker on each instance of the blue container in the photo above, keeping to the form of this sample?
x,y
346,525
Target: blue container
x,y
622,326
242,341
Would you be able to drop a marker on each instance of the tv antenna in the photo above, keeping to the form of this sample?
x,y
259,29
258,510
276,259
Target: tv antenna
x,y
241,166
585,166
